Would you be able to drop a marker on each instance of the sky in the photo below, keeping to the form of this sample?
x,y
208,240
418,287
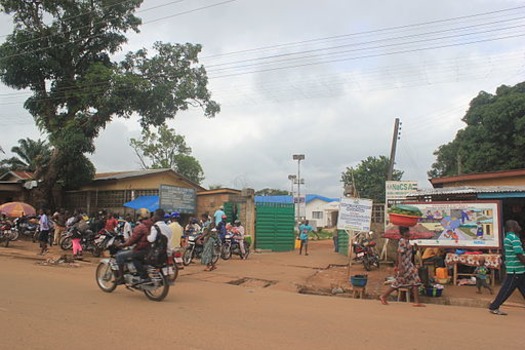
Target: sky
x,y
326,79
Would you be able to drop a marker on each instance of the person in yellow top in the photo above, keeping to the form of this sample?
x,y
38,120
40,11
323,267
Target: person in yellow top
x,y
176,230
433,255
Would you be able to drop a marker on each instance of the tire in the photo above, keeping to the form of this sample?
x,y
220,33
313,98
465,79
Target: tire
x,y
366,263
106,279
66,243
175,274
14,235
159,293
96,252
226,251
187,257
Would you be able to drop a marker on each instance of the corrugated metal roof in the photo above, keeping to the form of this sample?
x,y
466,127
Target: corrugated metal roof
x,y
126,174
465,190
288,199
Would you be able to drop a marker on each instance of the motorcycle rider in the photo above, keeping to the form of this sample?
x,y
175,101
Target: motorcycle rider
x,y
221,228
163,228
238,231
139,238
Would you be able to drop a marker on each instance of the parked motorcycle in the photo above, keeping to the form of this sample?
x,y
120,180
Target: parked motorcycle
x,y
107,271
365,250
6,233
87,241
104,239
195,248
232,246
26,227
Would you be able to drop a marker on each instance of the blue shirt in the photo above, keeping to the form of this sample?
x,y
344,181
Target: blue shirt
x,y
218,216
303,231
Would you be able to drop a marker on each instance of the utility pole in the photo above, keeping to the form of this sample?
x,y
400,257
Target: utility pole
x,y
395,137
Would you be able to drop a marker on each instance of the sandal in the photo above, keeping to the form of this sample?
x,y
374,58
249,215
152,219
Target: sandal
x,y
383,300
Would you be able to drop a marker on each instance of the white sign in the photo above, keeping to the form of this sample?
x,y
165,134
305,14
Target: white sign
x,y
355,214
399,189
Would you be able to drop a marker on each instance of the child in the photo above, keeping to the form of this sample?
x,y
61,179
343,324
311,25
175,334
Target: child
x,y
304,229
482,276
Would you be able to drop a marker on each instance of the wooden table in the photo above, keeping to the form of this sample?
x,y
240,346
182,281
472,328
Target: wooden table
x,y
492,261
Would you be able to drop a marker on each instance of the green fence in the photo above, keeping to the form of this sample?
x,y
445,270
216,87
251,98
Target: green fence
x,y
274,226
342,238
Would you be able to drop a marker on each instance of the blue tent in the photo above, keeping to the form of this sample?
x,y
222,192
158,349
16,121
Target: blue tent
x,y
149,202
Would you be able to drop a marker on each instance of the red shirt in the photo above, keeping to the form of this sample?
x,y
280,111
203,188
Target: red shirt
x,y
111,224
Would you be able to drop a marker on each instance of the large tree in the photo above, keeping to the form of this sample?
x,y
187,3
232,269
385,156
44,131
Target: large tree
x,y
271,192
493,139
61,50
369,177
167,149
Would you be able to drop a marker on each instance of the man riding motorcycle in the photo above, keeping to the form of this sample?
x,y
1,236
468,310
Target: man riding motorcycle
x,y
139,238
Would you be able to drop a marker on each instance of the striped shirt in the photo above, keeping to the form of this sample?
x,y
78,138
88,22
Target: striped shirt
x,y
513,247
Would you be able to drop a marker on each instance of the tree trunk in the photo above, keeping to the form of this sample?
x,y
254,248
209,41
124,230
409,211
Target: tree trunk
x,y
47,178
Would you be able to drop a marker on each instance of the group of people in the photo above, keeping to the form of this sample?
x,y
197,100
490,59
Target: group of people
x,y
407,274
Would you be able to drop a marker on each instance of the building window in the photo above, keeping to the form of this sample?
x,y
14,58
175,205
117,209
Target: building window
x,y
317,215
378,213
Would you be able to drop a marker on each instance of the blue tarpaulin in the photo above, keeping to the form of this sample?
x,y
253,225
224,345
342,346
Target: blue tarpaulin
x,y
149,202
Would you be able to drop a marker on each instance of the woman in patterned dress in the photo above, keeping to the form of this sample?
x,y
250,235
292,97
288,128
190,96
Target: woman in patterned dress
x,y
407,276
207,258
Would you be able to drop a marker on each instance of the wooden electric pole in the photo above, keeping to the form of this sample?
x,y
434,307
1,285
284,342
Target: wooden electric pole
x,y
393,150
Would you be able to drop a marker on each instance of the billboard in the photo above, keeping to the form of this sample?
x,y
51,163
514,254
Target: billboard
x,y
181,199
460,224
355,214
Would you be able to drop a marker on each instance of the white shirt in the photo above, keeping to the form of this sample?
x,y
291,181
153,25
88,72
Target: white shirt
x,y
126,231
165,230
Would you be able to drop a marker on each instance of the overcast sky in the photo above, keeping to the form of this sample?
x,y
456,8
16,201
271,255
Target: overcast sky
x,y
321,78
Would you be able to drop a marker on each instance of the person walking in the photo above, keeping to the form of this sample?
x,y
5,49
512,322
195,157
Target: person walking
x,y
217,216
304,229
515,264
207,258
407,276
45,226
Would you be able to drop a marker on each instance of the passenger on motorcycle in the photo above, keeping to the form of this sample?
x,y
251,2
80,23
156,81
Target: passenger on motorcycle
x,y
139,238
221,228
111,222
158,219
238,235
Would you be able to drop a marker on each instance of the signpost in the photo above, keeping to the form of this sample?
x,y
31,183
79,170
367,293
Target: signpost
x,y
355,215
181,199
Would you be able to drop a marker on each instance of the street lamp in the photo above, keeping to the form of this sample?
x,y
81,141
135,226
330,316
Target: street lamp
x,y
298,158
292,178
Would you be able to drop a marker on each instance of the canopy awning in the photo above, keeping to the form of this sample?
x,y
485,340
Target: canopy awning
x,y
149,202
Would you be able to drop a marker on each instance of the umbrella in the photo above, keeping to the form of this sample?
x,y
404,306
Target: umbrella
x,y
17,209
416,232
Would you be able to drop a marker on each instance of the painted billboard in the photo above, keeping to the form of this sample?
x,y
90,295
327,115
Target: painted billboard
x,y
461,224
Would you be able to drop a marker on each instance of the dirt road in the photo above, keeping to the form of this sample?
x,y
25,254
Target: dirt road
x,y
44,307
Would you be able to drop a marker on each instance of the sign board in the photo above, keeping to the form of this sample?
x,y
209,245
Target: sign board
x,y
396,192
460,224
301,199
355,214
181,199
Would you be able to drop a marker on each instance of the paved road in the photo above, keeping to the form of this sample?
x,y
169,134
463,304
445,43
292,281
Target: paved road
x,y
43,307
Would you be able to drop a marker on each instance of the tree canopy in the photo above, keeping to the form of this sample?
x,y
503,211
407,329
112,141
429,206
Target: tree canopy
x,y
30,155
369,177
493,139
61,51
271,192
167,149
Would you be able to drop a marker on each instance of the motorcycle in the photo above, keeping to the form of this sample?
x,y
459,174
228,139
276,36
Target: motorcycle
x,y
87,241
230,246
107,272
6,234
195,247
26,227
365,251
104,239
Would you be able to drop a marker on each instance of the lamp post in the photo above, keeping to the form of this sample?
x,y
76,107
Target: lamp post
x,y
292,178
298,158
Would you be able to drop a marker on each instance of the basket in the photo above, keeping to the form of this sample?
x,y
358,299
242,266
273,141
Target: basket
x,y
433,292
443,280
359,280
403,220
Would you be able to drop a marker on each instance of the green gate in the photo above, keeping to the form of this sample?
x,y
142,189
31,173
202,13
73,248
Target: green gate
x,y
274,226
342,238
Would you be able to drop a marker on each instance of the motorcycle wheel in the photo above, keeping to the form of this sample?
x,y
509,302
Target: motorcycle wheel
x,y
105,277
175,274
226,251
187,257
14,235
366,263
162,289
6,241
96,252
66,243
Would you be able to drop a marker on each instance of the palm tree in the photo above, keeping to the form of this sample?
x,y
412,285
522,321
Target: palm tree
x,y
32,155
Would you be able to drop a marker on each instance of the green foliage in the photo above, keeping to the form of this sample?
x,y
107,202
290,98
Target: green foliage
x,y
369,177
493,138
271,192
31,155
167,150
61,52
